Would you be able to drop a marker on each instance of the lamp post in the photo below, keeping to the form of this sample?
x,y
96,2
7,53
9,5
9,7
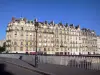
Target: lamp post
x,y
36,55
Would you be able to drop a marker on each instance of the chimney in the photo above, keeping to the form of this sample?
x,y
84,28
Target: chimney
x,y
24,19
35,20
46,22
78,26
52,22
60,23
66,25
13,19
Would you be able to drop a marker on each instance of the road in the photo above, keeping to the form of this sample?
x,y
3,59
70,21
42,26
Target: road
x,y
10,69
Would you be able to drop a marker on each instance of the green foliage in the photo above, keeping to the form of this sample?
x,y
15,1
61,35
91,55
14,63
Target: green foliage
x,y
2,48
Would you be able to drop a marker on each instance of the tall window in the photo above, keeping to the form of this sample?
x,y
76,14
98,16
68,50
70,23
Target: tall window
x,y
15,43
31,29
30,43
21,48
21,43
21,28
26,33
15,33
21,34
44,49
48,49
26,43
26,48
14,48
15,28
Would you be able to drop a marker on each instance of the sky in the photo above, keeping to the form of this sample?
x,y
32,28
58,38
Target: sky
x,y
85,13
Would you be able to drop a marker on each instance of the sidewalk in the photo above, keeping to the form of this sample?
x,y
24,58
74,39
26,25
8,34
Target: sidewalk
x,y
53,69
24,64
65,70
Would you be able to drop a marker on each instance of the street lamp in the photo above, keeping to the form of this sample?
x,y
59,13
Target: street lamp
x,y
36,55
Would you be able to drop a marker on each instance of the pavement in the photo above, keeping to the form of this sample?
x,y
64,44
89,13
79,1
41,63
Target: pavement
x,y
10,69
24,64
51,69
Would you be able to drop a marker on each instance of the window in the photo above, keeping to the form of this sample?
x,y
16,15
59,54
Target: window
x,y
26,33
21,43
48,49
14,48
21,48
76,38
30,43
52,41
26,43
44,49
30,34
45,40
52,44
15,33
76,42
44,35
21,28
52,35
15,28
26,48
40,40
15,43
45,44
30,28
39,44
48,44
79,38
21,34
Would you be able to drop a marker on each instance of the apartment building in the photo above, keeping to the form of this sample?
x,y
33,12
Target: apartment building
x,y
2,43
51,38
98,44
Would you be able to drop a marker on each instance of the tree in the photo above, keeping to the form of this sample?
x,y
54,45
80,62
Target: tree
x,y
3,47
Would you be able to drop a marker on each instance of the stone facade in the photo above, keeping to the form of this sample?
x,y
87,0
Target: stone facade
x,y
89,41
52,38
2,43
98,44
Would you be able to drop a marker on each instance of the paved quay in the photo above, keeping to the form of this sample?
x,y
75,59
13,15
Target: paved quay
x,y
10,69
24,64
53,69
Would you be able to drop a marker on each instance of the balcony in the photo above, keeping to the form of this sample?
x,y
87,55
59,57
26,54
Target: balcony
x,y
63,46
9,30
8,40
30,30
8,45
49,32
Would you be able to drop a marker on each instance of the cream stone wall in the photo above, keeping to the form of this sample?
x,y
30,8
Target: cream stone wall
x,y
2,43
98,44
51,38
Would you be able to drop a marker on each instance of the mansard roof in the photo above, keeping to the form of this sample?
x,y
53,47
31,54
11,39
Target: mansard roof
x,y
51,24
87,30
78,26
